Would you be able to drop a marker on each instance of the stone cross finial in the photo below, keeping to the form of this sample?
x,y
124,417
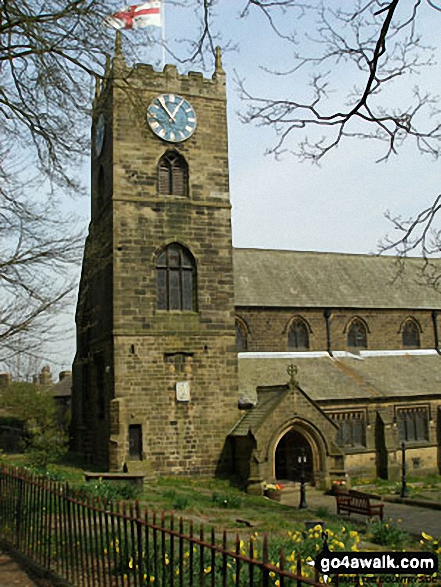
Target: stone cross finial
x,y
292,372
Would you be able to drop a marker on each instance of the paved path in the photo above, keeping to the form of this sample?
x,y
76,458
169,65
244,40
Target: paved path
x,y
11,574
414,519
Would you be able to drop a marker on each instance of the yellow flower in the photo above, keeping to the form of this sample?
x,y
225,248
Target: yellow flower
x,y
207,570
277,583
426,536
131,563
152,579
272,574
145,576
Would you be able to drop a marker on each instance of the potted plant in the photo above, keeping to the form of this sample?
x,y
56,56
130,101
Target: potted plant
x,y
273,490
339,486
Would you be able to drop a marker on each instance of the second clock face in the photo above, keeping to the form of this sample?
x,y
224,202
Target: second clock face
x,y
172,118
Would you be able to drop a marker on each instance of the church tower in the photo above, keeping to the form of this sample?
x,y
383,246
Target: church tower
x,y
155,374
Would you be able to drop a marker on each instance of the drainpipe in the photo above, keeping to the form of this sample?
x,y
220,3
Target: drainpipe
x,y
327,315
435,329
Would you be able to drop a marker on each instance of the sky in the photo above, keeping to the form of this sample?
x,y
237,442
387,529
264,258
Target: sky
x,y
288,204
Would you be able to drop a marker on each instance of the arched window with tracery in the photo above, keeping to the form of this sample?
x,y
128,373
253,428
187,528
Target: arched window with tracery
x,y
241,335
172,175
357,334
298,335
411,334
176,279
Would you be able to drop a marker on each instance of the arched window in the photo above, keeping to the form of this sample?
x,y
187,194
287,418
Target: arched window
x,y
176,279
411,334
172,175
241,336
298,336
357,334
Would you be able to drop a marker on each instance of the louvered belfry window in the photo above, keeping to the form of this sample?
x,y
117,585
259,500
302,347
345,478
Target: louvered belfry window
x,y
176,279
173,175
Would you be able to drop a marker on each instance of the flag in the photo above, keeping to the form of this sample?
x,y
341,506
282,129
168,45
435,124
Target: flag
x,y
136,17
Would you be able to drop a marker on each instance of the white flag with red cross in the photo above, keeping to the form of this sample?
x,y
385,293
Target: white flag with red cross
x,y
136,17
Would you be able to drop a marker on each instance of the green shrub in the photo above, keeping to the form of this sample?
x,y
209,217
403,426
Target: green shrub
x,y
181,502
388,534
111,490
226,500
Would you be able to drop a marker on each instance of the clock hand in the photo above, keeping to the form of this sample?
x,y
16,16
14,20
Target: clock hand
x,y
175,111
164,106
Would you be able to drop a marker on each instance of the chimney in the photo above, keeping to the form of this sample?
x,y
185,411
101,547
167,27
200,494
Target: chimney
x,y
45,377
64,374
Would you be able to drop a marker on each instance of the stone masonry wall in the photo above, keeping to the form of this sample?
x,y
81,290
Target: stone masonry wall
x,y
268,327
178,437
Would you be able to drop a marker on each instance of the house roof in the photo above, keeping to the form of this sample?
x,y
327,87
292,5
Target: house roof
x,y
63,388
333,280
346,378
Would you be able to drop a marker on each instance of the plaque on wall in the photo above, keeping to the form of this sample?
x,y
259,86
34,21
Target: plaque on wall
x,y
183,391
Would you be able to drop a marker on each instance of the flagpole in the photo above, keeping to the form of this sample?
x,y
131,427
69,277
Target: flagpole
x,y
163,33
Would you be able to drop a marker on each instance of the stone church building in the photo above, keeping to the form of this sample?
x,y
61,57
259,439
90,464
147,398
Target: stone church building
x,y
194,358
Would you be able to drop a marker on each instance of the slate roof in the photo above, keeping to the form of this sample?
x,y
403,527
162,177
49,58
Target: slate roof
x,y
346,379
63,388
274,278
268,399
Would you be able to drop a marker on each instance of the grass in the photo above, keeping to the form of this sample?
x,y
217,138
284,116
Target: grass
x,y
218,503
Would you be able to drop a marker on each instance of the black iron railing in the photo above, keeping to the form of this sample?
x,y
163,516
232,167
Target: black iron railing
x,y
91,543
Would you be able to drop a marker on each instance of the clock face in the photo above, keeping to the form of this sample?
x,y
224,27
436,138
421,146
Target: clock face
x,y
172,118
100,132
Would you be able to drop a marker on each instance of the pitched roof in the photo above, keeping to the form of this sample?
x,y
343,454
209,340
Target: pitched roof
x,y
347,378
333,280
267,400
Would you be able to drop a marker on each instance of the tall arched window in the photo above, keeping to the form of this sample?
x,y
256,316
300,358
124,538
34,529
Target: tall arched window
x,y
176,279
298,336
172,175
411,334
241,336
357,334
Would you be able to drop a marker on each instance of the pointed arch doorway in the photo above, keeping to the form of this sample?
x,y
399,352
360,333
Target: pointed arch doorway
x,y
290,448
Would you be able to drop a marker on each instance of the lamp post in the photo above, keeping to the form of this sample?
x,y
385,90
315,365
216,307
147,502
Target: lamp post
x,y
403,492
302,462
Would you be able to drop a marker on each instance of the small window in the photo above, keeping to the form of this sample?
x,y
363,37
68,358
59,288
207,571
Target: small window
x,y
357,334
176,279
241,336
411,334
101,186
298,336
172,175
135,442
178,361
352,429
413,424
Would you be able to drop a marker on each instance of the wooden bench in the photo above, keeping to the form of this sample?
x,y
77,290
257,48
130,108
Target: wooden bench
x,y
359,503
135,478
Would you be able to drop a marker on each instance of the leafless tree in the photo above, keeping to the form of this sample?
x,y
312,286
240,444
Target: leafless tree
x,y
345,60
51,52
